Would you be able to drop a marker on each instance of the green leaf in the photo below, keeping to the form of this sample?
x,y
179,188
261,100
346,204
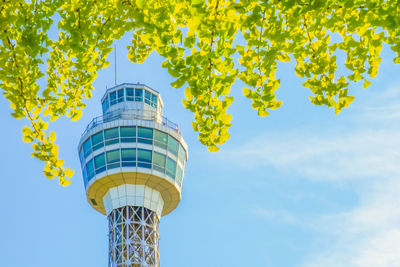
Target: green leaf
x,y
49,175
140,3
197,2
76,115
247,92
262,113
64,182
213,148
27,139
188,94
366,84
179,82
52,137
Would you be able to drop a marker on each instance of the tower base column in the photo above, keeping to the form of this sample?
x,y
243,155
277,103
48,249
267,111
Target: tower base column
x,y
133,237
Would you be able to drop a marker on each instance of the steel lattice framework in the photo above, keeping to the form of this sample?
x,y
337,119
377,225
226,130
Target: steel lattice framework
x,y
133,237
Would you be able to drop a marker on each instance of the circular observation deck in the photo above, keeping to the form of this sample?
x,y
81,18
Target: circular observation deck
x,y
134,152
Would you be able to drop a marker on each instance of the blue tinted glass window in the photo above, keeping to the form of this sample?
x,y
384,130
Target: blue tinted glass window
x,y
97,140
144,155
111,136
179,176
113,98
147,97
128,157
87,147
90,169
113,159
154,100
128,154
139,95
171,167
100,163
144,158
105,104
84,176
128,134
160,139
130,94
145,135
120,95
182,154
159,162
82,157
173,145
113,156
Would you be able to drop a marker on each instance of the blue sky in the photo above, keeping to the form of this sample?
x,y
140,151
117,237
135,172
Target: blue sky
x,y
301,187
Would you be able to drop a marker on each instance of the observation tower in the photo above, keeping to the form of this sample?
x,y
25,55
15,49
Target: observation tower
x,y
133,162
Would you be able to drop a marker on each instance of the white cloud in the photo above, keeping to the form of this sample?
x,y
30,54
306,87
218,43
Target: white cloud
x,y
367,235
389,112
381,105
343,157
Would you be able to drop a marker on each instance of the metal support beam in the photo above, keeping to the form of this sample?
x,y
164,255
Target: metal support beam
x,y
133,237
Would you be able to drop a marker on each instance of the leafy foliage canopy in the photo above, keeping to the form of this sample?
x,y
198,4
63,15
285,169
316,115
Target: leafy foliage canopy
x,y
198,40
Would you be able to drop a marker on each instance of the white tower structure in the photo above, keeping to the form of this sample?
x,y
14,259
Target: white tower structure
x,y
133,161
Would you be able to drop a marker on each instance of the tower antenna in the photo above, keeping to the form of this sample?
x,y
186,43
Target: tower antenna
x,y
115,63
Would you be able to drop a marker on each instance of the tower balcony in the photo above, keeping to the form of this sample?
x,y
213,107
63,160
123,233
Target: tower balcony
x,y
132,114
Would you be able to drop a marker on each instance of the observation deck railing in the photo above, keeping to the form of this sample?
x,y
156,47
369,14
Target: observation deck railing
x,y
132,114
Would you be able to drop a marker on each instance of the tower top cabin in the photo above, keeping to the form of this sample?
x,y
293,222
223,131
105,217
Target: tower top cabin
x,y
132,155
131,96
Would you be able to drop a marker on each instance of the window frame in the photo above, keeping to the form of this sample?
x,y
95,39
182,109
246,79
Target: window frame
x,y
113,101
157,166
130,98
139,94
115,163
120,97
145,139
147,97
100,168
167,170
113,140
144,163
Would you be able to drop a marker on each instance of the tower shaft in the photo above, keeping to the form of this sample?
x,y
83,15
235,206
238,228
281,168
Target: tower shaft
x,y
133,237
